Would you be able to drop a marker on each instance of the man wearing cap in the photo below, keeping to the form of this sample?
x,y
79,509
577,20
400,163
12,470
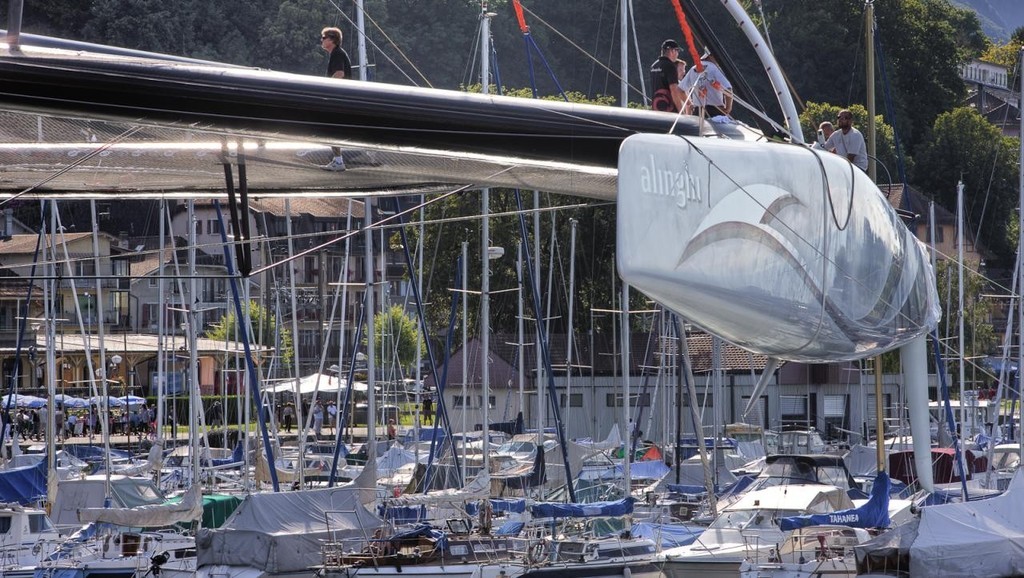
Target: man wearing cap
x,y
665,80
708,91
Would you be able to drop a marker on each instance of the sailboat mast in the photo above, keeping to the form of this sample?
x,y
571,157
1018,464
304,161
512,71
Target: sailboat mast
x,y
103,348
1020,244
623,63
869,98
361,40
485,249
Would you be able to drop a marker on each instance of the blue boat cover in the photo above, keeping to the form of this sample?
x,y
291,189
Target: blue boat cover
x,y
23,485
873,514
591,510
425,530
516,506
237,457
648,470
403,514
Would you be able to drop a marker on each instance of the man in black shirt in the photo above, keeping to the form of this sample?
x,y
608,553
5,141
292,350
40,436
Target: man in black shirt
x,y
339,66
665,80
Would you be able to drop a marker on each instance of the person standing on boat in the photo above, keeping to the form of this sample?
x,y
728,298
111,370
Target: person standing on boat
x,y
392,431
825,131
706,92
848,141
338,66
664,79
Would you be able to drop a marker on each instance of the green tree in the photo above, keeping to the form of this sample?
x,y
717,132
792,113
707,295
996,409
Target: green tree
x,y
396,338
1007,54
820,46
965,147
263,327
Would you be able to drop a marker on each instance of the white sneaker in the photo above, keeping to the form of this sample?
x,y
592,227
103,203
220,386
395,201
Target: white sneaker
x,y
337,164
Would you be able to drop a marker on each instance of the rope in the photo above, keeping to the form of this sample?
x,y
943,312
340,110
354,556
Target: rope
x,y
688,35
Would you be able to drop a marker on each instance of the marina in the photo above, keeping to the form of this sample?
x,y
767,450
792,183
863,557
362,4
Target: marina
x,y
264,324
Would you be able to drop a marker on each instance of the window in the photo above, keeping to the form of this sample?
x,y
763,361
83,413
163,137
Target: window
x,y
703,400
119,267
460,402
793,409
872,416
199,227
835,414
213,227
85,268
615,400
575,400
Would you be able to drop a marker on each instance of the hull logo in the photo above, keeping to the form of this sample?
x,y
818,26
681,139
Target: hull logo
x,y
681,185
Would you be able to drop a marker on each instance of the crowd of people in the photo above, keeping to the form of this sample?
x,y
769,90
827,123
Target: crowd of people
x,y
30,423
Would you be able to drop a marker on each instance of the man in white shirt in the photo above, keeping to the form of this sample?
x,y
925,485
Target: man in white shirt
x,y
707,91
848,142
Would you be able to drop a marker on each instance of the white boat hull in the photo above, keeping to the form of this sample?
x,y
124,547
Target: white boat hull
x,y
779,249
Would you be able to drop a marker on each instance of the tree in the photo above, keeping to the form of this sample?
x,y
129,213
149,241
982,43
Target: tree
x,y
820,46
1007,54
979,336
965,147
263,328
396,338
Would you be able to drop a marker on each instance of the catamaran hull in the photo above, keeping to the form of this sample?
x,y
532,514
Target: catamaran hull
x,y
782,250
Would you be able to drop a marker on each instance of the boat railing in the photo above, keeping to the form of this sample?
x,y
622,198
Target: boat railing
x,y
815,543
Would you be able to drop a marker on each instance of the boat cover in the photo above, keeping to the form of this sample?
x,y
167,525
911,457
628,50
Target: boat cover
x,y
24,485
974,539
873,514
283,532
591,510
189,508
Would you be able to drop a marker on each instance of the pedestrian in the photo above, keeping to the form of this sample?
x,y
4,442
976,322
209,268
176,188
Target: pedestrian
x,y
392,431
289,415
848,142
338,66
216,414
664,79
332,416
706,92
318,418
428,409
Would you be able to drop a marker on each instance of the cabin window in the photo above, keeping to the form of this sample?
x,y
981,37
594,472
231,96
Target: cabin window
x,y
5,524
39,523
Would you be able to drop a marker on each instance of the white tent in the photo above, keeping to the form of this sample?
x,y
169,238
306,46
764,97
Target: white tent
x,y
314,382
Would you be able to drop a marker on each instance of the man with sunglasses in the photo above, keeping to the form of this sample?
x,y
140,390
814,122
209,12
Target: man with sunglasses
x,y
848,141
338,66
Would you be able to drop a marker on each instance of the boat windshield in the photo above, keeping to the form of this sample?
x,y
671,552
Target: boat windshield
x,y
751,519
